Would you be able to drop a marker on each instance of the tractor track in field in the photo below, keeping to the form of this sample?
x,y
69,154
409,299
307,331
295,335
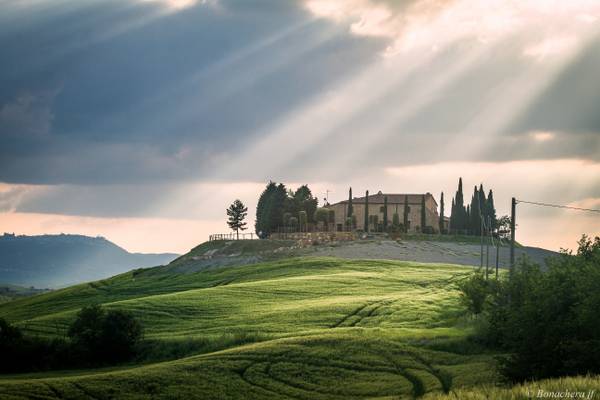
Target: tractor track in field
x,y
267,389
390,366
352,314
358,313
89,394
57,393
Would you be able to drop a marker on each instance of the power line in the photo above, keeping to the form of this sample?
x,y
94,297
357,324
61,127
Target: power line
x,y
558,206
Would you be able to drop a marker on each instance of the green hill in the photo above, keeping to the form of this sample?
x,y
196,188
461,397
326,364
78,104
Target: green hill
x,y
299,328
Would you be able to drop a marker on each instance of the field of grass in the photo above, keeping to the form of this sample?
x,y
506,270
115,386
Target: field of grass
x,y
300,328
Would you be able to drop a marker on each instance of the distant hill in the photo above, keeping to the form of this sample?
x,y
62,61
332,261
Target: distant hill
x,y
59,260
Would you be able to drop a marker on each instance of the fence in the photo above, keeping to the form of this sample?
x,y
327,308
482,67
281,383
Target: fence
x,y
231,236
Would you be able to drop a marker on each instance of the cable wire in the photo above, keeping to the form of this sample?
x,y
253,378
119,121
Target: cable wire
x,y
558,206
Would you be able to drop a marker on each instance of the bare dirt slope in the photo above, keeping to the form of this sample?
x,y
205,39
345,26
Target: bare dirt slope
x,y
428,251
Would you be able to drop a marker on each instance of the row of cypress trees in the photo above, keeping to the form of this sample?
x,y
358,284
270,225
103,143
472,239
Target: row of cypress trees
x,y
471,218
373,219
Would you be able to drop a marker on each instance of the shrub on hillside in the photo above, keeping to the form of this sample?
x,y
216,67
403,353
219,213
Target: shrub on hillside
x,y
105,337
474,291
21,353
547,320
97,338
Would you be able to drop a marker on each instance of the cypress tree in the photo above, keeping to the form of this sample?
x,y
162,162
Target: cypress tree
x,y
458,218
350,208
482,206
423,215
406,212
395,221
385,213
468,214
452,217
491,210
475,226
366,228
441,224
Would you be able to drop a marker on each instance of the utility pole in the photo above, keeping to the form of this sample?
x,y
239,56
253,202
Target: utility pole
x,y
497,256
481,243
513,212
487,248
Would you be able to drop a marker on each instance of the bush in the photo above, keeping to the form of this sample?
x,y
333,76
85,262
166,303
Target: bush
x,y
548,320
21,353
105,337
474,291
97,338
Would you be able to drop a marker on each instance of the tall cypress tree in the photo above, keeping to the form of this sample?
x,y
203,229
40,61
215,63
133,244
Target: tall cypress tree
x,y
491,210
482,206
468,216
475,225
366,228
441,224
406,212
385,213
423,215
350,207
459,213
452,217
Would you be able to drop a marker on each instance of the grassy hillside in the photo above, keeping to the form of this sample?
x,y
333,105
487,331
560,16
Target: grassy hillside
x,y
303,328
10,292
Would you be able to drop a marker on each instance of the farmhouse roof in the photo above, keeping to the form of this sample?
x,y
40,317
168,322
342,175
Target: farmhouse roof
x,y
393,198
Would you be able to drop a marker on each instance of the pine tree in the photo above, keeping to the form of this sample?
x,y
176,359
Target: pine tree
x,y
385,213
305,201
423,215
237,212
441,224
262,215
366,228
406,212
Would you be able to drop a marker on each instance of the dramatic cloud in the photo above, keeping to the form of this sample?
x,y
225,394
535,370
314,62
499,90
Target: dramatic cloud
x,y
170,109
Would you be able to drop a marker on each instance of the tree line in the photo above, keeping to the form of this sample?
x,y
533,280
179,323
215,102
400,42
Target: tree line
x,y
543,320
96,337
279,206
473,218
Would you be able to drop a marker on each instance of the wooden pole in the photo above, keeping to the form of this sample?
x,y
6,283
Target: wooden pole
x,y
481,242
487,248
513,215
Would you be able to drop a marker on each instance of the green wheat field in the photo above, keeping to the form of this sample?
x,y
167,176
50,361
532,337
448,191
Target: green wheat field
x,y
294,328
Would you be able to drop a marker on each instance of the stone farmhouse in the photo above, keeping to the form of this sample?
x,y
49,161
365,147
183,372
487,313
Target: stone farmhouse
x,y
395,204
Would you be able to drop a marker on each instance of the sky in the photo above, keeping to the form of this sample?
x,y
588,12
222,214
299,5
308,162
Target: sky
x,y
142,120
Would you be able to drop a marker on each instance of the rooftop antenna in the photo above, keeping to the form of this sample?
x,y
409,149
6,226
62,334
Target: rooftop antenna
x,y
327,196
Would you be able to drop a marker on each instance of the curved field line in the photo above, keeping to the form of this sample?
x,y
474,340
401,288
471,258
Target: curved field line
x,y
86,391
353,313
243,376
57,393
310,391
